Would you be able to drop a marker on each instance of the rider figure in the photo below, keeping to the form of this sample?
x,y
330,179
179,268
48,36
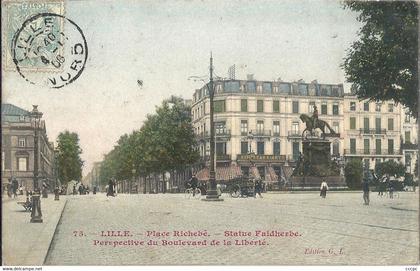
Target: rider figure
x,y
193,183
315,117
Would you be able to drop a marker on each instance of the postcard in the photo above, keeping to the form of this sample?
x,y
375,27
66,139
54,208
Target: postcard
x,y
209,133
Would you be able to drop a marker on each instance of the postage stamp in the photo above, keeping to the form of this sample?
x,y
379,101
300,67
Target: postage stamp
x,y
14,14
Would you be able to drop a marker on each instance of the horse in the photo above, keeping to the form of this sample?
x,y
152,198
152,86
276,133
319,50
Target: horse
x,y
319,124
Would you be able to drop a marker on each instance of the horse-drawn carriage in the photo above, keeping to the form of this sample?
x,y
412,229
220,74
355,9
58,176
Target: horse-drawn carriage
x,y
241,187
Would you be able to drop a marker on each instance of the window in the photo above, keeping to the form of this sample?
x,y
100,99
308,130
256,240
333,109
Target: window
x,y
220,128
407,137
378,146
244,127
311,107
244,105
244,147
336,148
391,124
260,126
390,107
22,142
366,107
251,87
378,107
260,148
276,128
335,109
284,88
366,146
219,106
407,117
220,148
303,89
276,106
296,150
390,146
378,125
366,125
21,118
352,106
266,87
260,106
295,128
276,148
324,109
352,145
336,126
325,90
352,123
295,107
22,163
232,86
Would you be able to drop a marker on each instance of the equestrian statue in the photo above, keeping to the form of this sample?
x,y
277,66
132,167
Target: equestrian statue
x,y
312,123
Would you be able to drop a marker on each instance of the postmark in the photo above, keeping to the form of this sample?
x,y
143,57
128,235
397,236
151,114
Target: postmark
x,y
14,13
40,44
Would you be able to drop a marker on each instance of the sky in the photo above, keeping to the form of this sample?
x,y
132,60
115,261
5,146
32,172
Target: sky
x,y
162,43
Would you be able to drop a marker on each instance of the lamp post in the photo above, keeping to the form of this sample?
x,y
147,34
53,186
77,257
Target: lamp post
x,y
36,214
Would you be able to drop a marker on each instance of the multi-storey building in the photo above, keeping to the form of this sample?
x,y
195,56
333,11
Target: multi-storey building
x,y
409,141
258,122
92,179
18,138
372,130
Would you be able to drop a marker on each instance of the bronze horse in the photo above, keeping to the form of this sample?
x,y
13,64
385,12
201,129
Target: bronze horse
x,y
319,124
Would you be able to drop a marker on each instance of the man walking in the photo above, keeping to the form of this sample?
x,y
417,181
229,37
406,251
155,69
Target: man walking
x,y
365,187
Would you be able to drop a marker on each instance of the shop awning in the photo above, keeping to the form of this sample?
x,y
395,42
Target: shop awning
x,y
222,173
286,173
271,176
254,173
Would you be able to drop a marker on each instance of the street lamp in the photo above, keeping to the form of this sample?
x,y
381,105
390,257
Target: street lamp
x,y
212,194
36,214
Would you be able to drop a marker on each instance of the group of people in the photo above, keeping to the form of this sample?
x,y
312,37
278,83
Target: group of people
x,y
83,190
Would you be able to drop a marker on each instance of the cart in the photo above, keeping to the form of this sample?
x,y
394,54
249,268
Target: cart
x,y
242,188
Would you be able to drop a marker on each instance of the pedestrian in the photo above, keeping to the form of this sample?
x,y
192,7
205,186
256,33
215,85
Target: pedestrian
x,y
193,183
74,190
365,187
14,186
20,189
324,188
110,190
80,189
258,187
391,189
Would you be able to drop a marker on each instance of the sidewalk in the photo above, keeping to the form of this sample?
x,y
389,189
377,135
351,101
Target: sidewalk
x,y
26,243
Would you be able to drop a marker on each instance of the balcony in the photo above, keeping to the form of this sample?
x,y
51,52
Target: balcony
x,y
223,157
261,133
218,133
294,134
409,146
371,152
372,131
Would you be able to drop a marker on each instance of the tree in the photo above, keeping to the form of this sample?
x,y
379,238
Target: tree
x,y
382,64
390,168
69,162
353,172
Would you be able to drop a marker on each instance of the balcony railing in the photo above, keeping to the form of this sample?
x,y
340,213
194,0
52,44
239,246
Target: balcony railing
x,y
261,133
221,133
371,151
409,146
294,134
372,131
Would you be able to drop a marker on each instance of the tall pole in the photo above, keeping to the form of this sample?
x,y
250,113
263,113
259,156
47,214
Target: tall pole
x,y
212,192
36,213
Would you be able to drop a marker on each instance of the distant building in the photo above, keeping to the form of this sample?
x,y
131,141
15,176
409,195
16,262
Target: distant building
x,y
92,179
409,141
18,135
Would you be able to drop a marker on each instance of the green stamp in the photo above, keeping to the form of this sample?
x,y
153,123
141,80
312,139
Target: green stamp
x,y
14,14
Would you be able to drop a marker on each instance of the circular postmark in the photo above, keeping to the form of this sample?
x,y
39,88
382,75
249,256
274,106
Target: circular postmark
x,y
47,55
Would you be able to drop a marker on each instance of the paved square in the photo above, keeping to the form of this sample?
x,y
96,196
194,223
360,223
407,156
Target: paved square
x,y
335,230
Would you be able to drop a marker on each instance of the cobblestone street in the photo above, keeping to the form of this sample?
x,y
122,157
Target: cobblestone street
x,y
335,230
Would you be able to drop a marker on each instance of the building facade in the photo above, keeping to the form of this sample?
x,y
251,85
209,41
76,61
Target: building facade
x,y
18,154
409,141
257,123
